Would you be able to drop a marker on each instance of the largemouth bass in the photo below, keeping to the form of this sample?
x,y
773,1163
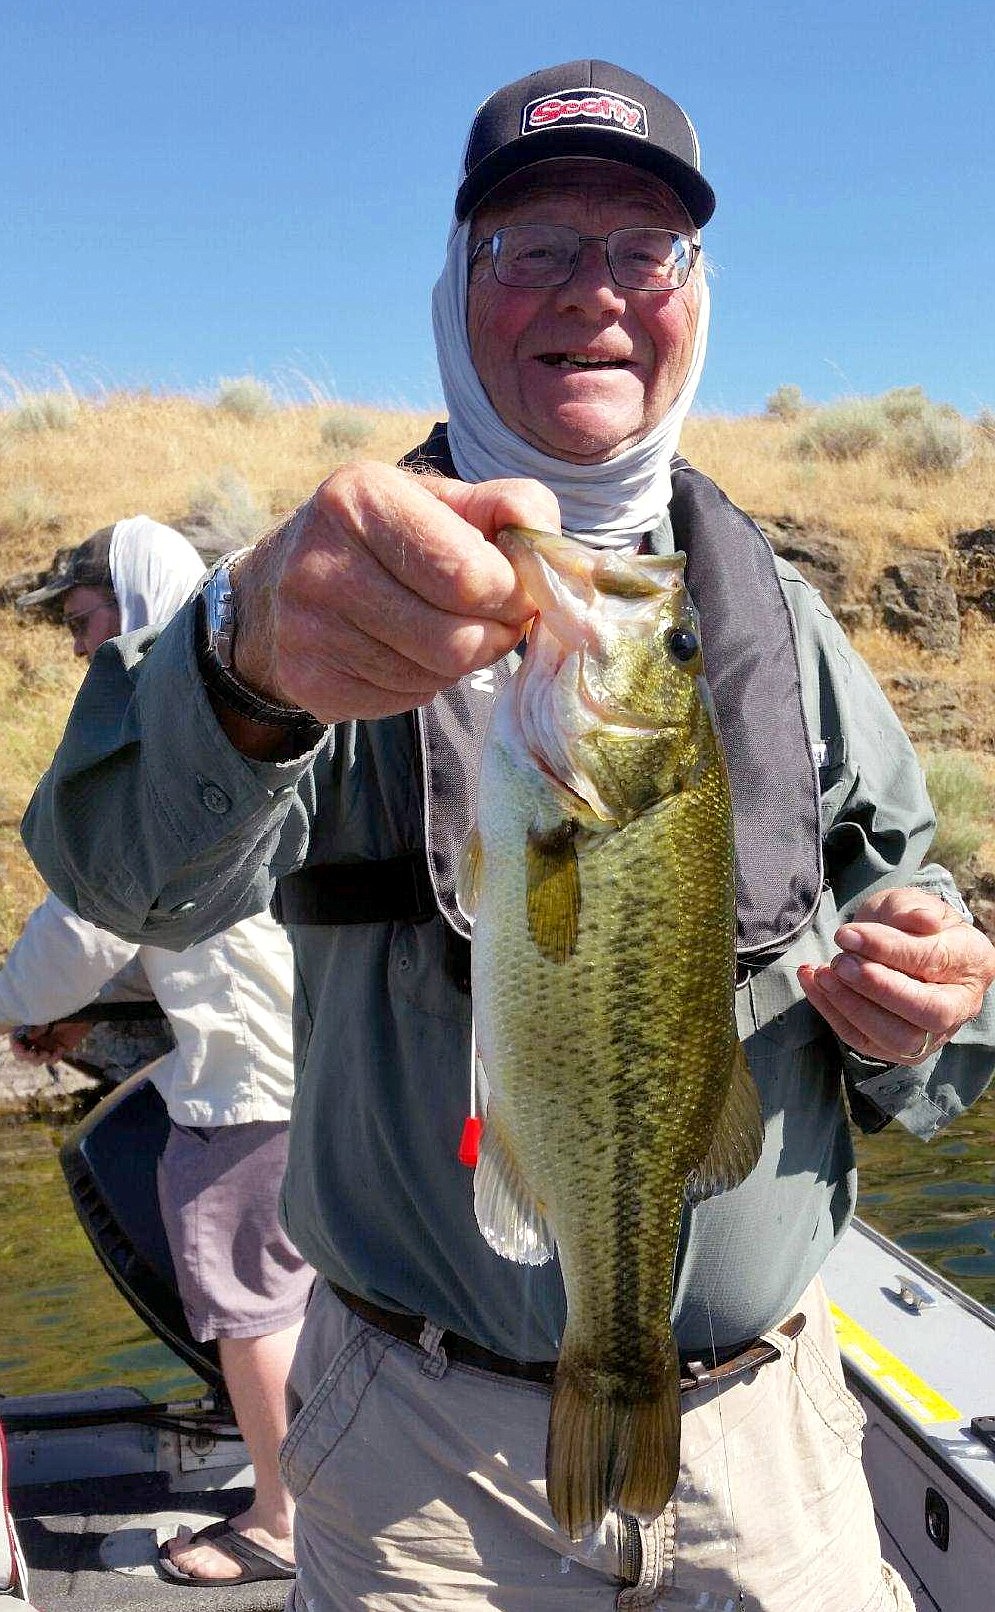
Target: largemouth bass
x,y
600,878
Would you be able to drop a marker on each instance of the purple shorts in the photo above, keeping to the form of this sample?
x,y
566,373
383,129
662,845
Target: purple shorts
x,y
238,1274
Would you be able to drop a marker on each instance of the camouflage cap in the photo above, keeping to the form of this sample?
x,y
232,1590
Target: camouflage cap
x,y
88,565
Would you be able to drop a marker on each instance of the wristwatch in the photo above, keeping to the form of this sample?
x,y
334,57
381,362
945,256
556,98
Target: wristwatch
x,y
216,626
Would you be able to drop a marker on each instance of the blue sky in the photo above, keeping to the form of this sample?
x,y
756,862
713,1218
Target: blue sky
x,y
197,190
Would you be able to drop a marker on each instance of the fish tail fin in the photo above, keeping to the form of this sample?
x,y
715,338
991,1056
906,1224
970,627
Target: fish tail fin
x,y
607,1448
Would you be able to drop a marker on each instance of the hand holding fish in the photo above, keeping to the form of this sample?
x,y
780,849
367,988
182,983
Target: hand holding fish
x,y
909,974
381,590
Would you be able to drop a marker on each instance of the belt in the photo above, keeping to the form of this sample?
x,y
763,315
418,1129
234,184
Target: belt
x,y
726,1367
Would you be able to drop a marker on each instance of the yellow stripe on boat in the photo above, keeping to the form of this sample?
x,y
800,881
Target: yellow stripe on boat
x,y
890,1374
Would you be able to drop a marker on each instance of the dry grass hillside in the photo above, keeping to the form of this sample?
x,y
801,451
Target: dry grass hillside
x,y
69,466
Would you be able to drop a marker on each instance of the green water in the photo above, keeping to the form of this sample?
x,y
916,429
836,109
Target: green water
x,y
62,1324
62,1321
938,1201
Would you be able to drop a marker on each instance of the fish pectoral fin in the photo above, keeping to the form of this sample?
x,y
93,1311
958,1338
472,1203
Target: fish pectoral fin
x,y
468,874
509,1216
738,1138
552,890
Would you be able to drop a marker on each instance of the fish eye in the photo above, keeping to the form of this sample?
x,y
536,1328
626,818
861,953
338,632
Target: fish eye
x,y
683,644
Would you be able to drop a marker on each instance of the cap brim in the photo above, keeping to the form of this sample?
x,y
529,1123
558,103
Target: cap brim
x,y
686,183
42,596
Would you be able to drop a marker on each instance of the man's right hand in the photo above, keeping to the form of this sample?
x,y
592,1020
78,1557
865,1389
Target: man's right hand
x,y
383,589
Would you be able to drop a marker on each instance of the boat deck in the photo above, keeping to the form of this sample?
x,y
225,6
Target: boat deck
x,y
91,1544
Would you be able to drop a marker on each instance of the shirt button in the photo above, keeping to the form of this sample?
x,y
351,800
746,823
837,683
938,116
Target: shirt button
x,y
215,799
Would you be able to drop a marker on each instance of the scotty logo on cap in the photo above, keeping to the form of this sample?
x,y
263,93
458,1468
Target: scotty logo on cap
x,y
588,105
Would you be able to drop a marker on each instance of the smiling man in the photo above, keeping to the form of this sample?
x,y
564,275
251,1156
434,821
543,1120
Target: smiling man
x,y
313,724
572,362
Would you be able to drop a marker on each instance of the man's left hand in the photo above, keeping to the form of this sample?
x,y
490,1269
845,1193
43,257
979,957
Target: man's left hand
x,y
909,973
46,1043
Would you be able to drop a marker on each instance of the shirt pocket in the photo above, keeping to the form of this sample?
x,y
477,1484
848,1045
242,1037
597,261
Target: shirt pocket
x,y
792,1051
778,1014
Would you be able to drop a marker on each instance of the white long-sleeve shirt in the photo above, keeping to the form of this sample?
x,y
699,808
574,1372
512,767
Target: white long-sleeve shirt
x,y
227,1000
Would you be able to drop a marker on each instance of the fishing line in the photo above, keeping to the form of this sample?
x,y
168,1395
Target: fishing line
x,y
741,1597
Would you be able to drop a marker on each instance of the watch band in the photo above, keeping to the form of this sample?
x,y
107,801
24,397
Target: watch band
x,y
216,627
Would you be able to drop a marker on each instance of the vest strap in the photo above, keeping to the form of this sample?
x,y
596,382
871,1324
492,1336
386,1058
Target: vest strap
x,y
394,889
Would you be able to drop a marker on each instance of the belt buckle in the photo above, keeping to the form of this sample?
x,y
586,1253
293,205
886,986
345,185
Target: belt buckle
x,y
700,1374
436,1362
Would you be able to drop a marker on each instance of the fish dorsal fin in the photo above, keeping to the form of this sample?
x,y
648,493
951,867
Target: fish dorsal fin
x,y
468,874
738,1137
510,1218
552,895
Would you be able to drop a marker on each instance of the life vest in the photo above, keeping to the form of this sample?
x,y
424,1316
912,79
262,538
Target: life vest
x,y
751,660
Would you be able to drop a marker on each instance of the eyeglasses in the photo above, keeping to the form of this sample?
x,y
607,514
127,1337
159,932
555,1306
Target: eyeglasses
x,y
534,256
75,622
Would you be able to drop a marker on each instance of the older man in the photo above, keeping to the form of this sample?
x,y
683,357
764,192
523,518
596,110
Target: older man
x,y
571,322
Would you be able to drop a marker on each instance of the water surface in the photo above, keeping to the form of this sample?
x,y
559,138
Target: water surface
x,y
63,1324
938,1199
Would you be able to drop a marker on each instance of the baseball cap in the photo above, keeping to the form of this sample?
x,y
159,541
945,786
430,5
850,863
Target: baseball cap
x,y
583,109
88,565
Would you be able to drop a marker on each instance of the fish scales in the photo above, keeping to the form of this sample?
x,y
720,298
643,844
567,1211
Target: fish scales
x,y
604,977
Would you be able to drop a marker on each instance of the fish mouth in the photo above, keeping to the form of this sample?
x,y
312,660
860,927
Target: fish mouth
x,y
561,701
556,572
571,583
584,599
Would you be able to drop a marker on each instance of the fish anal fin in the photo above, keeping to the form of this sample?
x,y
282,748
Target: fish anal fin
x,y
607,1447
552,896
738,1139
511,1220
468,874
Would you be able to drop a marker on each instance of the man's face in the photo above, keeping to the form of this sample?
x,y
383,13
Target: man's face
x,y
92,616
524,341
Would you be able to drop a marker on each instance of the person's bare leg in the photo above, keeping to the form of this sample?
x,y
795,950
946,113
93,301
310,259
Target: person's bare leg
x,y
255,1371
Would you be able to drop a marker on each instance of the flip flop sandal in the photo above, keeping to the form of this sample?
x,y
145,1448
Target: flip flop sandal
x,y
255,1562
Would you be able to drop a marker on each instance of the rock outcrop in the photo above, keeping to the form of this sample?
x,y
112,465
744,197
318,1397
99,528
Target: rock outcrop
x,y
973,570
914,597
35,1091
930,710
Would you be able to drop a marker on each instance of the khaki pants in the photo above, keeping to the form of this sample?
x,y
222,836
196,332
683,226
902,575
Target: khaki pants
x,y
419,1486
